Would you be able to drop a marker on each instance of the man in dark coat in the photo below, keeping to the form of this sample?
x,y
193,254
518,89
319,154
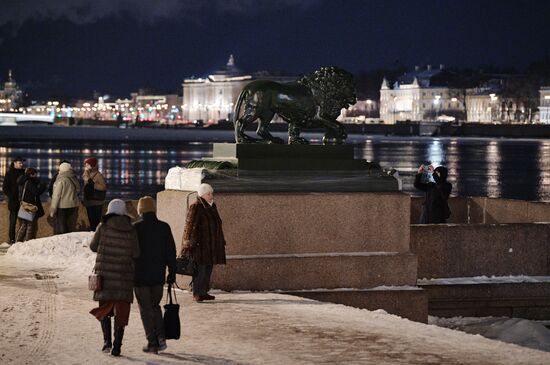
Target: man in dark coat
x,y
435,208
11,191
158,251
203,241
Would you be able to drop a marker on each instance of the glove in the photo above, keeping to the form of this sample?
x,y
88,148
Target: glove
x,y
170,279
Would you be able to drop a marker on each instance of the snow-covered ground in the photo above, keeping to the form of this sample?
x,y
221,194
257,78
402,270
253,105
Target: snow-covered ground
x,y
44,320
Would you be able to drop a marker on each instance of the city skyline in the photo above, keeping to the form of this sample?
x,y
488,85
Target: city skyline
x,y
73,49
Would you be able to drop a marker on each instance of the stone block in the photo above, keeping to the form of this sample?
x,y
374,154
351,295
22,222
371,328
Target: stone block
x,y
172,208
489,211
446,251
273,157
458,206
275,223
407,303
527,300
298,272
539,212
282,151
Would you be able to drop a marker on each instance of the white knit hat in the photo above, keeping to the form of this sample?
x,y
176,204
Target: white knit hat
x,y
117,206
204,189
64,167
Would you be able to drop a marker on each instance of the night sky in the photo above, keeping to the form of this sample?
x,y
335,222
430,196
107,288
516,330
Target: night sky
x,y
60,48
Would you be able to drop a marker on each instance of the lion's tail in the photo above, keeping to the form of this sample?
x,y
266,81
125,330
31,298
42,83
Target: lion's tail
x,y
242,96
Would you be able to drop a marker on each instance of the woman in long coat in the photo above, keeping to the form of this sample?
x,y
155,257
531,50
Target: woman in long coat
x,y
203,241
30,189
116,244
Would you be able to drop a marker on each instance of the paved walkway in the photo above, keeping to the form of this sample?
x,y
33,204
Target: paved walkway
x,y
45,321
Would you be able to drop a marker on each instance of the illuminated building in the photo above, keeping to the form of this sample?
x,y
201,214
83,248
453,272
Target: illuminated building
x,y
148,106
10,95
213,97
421,95
494,102
544,108
363,110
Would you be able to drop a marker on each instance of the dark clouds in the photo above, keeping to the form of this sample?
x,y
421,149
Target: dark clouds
x,y
73,47
16,12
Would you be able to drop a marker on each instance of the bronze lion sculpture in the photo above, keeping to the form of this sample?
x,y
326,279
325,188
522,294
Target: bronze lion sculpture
x,y
313,101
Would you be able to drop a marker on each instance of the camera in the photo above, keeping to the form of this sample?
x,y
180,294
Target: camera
x,y
427,173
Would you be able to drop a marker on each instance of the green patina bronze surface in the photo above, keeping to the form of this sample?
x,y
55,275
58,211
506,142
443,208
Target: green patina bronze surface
x,y
312,102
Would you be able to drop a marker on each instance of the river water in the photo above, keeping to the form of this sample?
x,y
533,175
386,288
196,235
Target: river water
x,y
493,167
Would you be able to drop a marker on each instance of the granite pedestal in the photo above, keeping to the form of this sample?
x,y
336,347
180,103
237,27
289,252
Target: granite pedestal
x,y
313,243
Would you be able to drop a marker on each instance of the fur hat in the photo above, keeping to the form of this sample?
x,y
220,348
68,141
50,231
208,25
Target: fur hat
x,y
204,189
92,161
117,206
64,167
146,205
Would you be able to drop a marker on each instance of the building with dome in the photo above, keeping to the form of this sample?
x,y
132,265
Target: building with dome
x,y
11,95
212,98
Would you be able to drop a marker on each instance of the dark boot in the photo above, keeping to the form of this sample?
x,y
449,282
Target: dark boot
x,y
119,334
106,328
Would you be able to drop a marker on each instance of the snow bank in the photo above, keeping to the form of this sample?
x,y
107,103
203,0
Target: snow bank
x,y
512,330
68,255
485,280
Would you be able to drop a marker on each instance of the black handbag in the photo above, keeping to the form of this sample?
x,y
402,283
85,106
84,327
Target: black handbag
x,y
171,318
186,266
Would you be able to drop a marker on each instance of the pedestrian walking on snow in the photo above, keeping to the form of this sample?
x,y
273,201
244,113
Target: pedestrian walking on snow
x,y
116,243
157,252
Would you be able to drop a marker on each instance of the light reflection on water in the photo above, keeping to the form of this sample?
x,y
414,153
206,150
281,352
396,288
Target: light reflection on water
x,y
515,169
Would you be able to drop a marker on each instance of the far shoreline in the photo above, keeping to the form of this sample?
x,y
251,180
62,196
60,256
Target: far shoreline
x,y
224,133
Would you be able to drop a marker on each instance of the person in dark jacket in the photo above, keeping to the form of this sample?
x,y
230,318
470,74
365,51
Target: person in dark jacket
x,y
435,208
203,241
158,251
116,244
30,189
11,191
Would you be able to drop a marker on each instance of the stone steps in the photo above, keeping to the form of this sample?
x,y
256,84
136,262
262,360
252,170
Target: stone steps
x,y
406,302
297,272
313,245
529,300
